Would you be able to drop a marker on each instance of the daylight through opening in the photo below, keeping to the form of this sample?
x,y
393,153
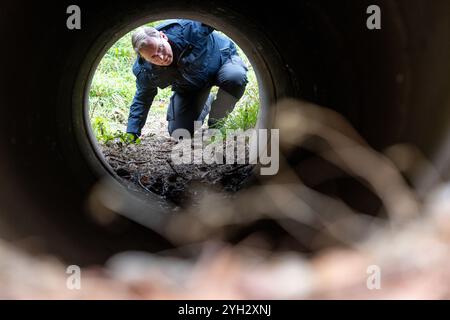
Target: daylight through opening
x,y
173,105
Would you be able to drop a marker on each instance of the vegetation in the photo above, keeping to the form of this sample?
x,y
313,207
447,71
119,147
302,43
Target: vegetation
x,y
245,114
105,134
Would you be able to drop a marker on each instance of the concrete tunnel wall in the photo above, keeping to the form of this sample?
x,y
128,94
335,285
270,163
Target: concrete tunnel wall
x,y
392,84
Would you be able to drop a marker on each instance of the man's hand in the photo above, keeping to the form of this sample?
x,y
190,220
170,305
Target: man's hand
x,y
132,137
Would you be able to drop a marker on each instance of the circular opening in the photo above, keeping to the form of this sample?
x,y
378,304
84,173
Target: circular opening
x,y
259,55
116,106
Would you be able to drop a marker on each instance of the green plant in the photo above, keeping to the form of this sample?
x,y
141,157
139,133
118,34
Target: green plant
x,y
243,117
104,134
245,114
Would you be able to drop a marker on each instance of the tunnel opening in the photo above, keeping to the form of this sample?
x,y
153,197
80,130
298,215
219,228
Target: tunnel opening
x,y
274,65
147,160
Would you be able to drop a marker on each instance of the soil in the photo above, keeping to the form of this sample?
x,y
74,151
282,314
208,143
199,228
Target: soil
x,y
149,166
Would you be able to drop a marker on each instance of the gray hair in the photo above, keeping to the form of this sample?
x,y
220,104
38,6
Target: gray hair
x,y
140,37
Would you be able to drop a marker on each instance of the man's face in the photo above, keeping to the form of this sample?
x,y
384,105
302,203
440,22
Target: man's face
x,y
158,51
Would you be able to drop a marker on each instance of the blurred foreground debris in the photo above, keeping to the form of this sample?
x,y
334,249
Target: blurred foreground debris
x,y
409,246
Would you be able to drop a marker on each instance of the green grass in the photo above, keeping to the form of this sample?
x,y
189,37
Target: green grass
x,y
113,88
245,114
105,134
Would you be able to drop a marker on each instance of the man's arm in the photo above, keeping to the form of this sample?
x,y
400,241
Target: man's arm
x,y
140,106
200,30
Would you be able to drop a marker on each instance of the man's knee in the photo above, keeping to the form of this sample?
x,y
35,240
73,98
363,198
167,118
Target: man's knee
x,y
234,80
186,127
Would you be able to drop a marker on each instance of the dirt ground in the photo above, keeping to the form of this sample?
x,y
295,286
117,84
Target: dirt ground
x,y
149,166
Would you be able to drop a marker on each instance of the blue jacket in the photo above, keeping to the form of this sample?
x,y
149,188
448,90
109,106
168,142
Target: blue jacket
x,y
200,54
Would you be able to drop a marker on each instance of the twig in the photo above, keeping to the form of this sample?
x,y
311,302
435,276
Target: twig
x,y
176,172
236,169
115,159
204,174
129,162
141,184
141,162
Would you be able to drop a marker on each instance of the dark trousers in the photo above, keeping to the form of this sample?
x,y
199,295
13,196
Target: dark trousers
x,y
186,108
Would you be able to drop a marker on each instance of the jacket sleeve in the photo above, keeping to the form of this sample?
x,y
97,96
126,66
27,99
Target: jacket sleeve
x,y
143,98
